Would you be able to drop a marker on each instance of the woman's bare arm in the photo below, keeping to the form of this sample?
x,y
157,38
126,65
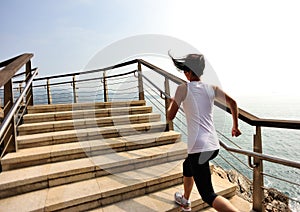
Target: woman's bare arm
x,y
176,101
221,95
172,110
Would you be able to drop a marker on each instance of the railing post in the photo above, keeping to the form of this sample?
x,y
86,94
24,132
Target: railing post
x,y
258,181
74,90
27,77
140,82
105,92
20,88
10,144
49,92
167,103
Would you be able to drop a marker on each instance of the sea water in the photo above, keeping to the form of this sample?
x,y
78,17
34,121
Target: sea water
x,y
282,143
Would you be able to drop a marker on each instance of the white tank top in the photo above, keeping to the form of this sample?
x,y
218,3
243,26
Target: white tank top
x,y
198,107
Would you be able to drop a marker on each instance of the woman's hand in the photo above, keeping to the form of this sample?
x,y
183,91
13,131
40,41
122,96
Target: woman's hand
x,y
235,132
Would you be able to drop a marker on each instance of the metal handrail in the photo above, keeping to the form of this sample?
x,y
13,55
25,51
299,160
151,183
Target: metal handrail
x,y
240,151
12,111
162,72
155,86
265,157
256,121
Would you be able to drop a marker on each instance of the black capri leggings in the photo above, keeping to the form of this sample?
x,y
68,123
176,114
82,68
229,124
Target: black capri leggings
x,y
197,166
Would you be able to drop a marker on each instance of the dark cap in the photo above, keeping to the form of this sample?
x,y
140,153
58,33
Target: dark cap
x,y
191,62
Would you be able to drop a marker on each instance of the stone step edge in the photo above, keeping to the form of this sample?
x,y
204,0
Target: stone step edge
x,y
163,200
33,128
68,115
90,194
39,177
67,136
102,189
132,187
59,152
79,106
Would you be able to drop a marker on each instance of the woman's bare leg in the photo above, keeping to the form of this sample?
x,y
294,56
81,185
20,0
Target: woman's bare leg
x,y
222,204
188,183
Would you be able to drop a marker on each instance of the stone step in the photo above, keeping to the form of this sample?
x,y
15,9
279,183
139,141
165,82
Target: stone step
x,y
144,189
81,114
68,136
163,200
39,177
54,126
75,150
82,106
241,204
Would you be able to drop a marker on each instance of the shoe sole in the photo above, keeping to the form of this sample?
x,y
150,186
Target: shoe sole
x,y
184,209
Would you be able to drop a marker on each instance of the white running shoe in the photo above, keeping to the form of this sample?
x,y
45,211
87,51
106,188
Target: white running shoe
x,y
185,204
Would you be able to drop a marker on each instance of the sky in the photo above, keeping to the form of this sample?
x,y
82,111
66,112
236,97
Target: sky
x,y
253,46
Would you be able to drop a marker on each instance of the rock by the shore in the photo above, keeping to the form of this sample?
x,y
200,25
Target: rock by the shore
x,y
274,200
244,185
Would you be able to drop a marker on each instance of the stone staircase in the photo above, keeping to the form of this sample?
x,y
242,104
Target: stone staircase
x,y
114,156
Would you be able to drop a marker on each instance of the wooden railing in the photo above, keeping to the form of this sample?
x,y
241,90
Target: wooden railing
x,y
8,126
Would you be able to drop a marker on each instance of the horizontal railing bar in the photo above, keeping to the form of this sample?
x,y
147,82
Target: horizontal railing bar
x,y
116,83
255,121
156,92
287,124
175,79
225,137
88,72
280,179
262,156
86,80
162,92
230,164
154,103
22,73
123,89
243,115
